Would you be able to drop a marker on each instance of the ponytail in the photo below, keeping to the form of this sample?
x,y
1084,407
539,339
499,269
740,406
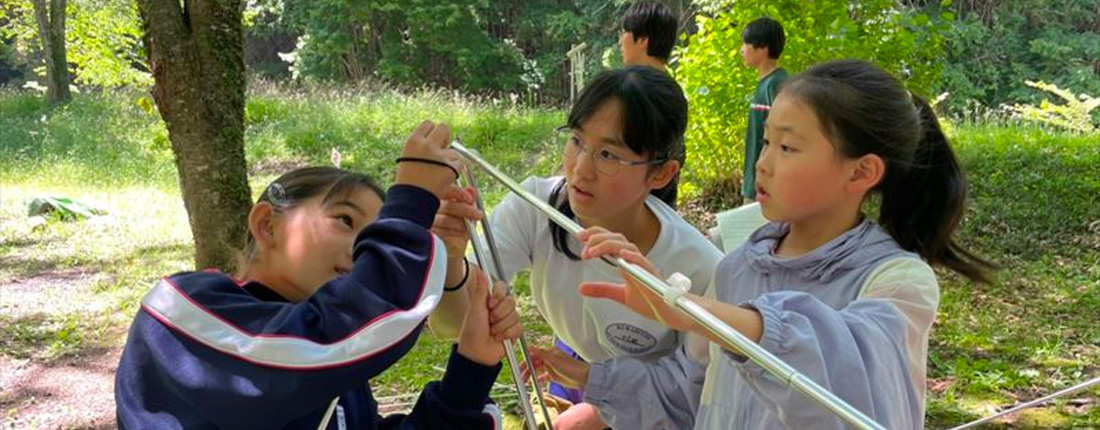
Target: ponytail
x,y
924,204
865,110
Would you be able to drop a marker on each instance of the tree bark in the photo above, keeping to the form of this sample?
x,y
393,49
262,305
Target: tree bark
x,y
197,57
51,29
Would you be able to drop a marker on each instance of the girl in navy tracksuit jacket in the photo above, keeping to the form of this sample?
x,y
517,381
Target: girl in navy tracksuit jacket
x,y
335,288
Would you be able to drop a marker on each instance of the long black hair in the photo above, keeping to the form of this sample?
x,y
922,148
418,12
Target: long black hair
x,y
865,110
654,118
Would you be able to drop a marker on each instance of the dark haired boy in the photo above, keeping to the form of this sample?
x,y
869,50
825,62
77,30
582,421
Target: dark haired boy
x,y
762,43
649,32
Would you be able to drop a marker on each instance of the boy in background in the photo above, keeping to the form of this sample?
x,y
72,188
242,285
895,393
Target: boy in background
x,y
762,43
649,32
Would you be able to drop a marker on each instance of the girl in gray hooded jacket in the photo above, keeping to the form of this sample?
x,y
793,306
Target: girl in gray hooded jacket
x,y
845,300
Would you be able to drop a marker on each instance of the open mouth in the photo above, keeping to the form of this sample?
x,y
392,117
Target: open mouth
x,y
581,192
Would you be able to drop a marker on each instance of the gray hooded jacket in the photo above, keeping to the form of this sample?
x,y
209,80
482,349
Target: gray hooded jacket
x,y
853,315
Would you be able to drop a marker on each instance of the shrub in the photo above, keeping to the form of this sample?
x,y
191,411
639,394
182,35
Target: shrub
x,y
719,87
1074,115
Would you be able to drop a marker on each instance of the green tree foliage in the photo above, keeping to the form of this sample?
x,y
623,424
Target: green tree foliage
x,y
478,46
719,86
997,45
102,39
105,44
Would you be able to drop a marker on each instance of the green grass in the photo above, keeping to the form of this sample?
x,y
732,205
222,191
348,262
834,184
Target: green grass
x,y
1035,211
93,273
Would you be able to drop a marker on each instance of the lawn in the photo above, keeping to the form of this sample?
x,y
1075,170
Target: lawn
x,y
68,290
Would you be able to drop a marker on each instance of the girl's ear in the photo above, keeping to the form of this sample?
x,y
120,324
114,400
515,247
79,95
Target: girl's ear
x,y
261,223
869,171
663,175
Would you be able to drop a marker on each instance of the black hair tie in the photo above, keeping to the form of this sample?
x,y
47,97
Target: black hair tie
x,y
465,277
428,161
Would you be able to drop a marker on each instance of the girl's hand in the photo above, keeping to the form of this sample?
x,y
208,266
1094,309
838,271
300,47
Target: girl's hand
x,y
581,416
476,341
431,142
599,242
450,221
450,225
553,364
636,296
504,322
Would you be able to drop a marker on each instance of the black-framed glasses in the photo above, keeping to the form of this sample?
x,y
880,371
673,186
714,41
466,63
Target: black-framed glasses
x,y
606,161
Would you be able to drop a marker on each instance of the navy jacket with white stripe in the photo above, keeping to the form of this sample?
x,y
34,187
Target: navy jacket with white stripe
x,y
206,352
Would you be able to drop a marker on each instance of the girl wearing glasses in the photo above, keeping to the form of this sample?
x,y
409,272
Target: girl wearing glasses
x,y
623,147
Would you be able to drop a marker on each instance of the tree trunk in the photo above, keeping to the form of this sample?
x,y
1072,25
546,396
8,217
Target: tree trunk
x,y
353,66
51,29
197,57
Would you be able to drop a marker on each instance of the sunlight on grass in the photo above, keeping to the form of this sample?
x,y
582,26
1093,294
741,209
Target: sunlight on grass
x,y
88,276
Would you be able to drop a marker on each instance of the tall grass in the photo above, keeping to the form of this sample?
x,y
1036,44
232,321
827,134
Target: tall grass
x,y
104,139
109,139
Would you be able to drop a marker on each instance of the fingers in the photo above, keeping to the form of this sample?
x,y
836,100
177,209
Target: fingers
x,y
535,364
504,320
447,227
561,367
461,194
509,328
480,280
611,244
543,376
429,144
501,306
461,210
479,292
424,129
635,257
604,290
449,223
600,242
590,231
440,134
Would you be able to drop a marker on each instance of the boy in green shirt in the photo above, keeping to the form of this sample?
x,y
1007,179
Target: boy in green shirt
x,y
762,42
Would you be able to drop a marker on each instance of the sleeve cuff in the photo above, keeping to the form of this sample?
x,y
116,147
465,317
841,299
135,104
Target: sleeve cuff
x,y
466,384
412,203
599,384
770,338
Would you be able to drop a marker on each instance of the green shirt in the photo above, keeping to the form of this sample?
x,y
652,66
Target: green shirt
x,y
754,133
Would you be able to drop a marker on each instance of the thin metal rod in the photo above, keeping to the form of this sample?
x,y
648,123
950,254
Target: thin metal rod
x,y
509,346
1079,387
733,339
486,258
328,414
498,273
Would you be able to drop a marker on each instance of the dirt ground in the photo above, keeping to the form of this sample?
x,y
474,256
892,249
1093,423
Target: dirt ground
x,y
72,391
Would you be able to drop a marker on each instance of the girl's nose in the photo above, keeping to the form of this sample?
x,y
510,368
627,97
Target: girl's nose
x,y
584,165
762,167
